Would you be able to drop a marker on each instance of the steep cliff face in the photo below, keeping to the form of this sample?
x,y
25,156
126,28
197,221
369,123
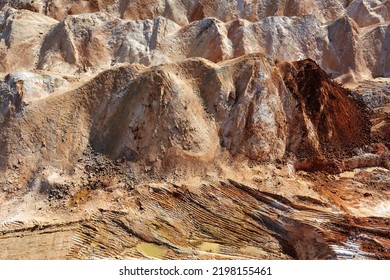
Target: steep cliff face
x,y
177,129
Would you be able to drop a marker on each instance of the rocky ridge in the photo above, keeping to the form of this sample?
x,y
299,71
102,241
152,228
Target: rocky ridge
x,y
340,42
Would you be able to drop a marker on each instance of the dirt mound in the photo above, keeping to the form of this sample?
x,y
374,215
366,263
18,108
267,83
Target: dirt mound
x,y
190,114
339,122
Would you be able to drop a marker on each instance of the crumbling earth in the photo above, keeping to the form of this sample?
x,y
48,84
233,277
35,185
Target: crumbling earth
x,y
194,130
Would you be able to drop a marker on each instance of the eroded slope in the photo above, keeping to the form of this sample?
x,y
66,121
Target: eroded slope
x,y
194,129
